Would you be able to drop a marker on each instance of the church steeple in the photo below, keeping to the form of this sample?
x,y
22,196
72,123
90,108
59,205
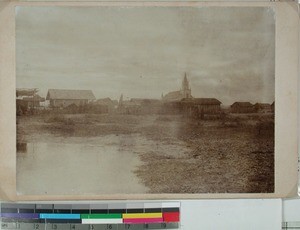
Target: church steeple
x,y
185,83
185,88
120,101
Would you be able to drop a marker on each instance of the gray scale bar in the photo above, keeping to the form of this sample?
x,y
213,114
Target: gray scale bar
x,y
44,206
99,206
117,206
18,206
81,206
42,226
63,206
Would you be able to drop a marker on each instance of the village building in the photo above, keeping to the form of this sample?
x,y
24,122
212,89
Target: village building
x,y
106,105
106,101
203,105
139,106
242,107
34,102
199,107
66,97
176,102
182,102
184,92
27,99
147,106
263,108
128,107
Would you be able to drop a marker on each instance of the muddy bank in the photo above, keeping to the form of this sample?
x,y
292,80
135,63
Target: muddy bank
x,y
235,156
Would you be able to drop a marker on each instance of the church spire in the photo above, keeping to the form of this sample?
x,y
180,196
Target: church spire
x,y
185,83
185,88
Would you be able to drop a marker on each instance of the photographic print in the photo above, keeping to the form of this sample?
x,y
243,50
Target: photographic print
x,y
145,100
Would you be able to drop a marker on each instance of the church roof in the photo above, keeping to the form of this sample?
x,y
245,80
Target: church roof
x,y
173,96
178,95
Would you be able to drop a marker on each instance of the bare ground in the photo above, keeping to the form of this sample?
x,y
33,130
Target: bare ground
x,y
232,155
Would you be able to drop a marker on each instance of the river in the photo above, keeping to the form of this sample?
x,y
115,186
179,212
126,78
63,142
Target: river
x,y
102,165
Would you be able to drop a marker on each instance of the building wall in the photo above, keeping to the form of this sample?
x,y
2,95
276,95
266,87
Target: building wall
x,y
263,109
170,108
65,103
209,109
33,104
201,111
243,109
186,93
198,110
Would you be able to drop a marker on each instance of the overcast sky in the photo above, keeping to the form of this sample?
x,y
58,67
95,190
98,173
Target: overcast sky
x,y
227,52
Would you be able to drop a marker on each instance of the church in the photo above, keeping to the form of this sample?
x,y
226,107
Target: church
x,y
184,93
182,101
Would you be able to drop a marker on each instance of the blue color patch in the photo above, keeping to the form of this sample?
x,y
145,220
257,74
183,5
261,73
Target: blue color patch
x,y
59,216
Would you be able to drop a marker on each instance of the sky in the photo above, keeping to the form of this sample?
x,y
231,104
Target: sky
x,y
228,53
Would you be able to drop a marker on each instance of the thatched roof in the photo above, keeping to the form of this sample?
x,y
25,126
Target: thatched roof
x,y
241,104
202,101
70,94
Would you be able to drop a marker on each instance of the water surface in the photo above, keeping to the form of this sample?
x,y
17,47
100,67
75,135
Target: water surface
x,y
103,165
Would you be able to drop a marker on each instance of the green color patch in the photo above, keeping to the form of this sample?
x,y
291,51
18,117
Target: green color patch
x,y
101,216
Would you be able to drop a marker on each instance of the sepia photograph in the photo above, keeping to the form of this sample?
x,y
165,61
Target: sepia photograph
x,y
145,100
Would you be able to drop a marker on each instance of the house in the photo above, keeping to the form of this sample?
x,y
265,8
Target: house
x,y
147,106
242,107
27,99
34,101
263,108
128,107
106,101
200,106
139,106
106,104
66,97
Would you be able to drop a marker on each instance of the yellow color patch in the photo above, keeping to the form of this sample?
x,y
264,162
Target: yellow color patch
x,y
142,215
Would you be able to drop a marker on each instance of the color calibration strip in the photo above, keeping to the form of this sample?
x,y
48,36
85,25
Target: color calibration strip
x,y
123,213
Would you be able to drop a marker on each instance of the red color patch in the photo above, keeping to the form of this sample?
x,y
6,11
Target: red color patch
x,y
171,216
